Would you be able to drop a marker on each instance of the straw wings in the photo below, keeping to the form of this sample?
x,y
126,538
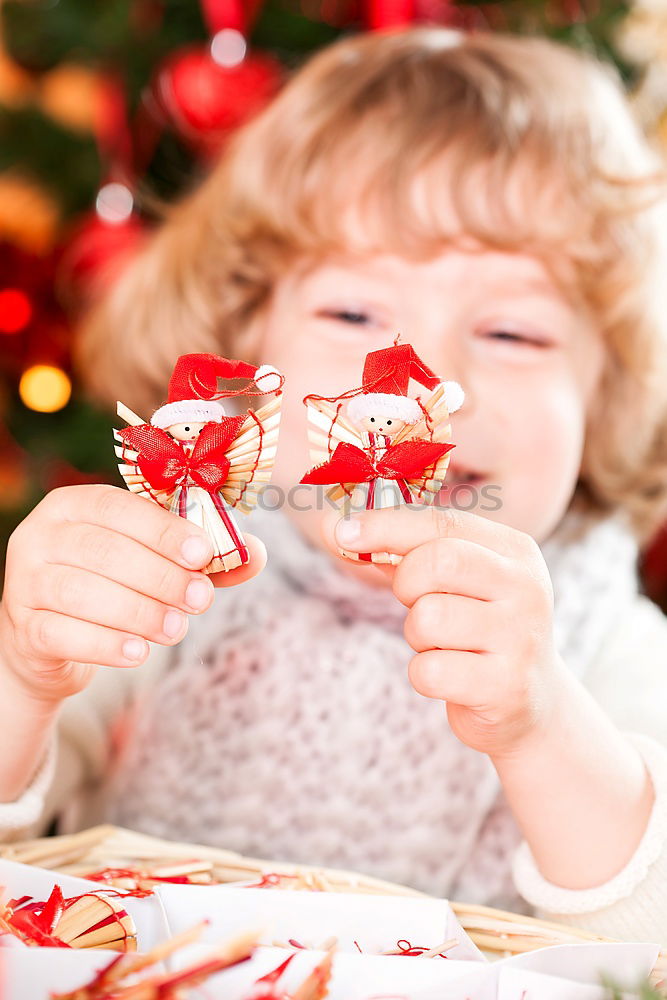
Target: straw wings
x,y
327,428
433,426
252,456
128,464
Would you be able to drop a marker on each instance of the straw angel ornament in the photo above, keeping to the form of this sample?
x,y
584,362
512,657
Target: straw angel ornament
x,y
198,462
378,445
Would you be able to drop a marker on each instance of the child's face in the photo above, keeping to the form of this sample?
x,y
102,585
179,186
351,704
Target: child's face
x,y
529,363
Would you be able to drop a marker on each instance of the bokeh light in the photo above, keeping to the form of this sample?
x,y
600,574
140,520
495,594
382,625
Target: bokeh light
x,y
15,310
114,203
228,48
45,388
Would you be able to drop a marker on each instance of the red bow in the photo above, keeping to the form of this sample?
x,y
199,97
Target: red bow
x,y
34,922
165,464
350,464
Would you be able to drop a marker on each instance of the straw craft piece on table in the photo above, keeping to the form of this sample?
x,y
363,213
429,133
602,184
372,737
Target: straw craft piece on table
x,y
121,979
85,921
149,860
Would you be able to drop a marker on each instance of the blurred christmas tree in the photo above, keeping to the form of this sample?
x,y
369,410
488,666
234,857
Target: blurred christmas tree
x,y
108,107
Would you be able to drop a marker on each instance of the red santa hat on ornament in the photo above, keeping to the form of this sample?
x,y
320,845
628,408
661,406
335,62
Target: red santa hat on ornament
x,y
193,388
386,376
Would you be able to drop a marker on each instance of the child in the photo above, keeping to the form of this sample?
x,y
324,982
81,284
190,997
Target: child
x,y
489,198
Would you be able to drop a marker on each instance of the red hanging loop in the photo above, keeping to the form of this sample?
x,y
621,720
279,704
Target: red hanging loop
x,y
386,14
113,133
220,14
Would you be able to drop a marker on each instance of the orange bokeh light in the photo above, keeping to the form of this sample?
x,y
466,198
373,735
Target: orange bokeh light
x,y
45,388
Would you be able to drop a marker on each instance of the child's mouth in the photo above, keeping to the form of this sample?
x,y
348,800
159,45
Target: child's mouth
x,y
459,478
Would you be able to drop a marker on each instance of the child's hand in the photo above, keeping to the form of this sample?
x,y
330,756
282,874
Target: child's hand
x,y
92,573
480,618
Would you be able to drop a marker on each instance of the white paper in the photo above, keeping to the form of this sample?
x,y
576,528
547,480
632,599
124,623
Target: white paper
x,y
36,973
26,880
374,923
520,984
627,962
354,977
575,974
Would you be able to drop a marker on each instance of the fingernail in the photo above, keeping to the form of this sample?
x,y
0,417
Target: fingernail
x,y
196,550
198,594
134,649
173,624
348,531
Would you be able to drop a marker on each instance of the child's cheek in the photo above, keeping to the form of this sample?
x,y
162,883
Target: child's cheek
x,y
545,461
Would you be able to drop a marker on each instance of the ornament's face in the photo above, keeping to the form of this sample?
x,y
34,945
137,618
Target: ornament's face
x,y
186,432
379,423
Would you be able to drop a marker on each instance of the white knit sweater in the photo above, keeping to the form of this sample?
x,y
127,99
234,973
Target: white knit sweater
x,y
284,726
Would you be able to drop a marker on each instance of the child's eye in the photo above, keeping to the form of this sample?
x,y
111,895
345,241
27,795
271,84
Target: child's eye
x,y
511,337
346,316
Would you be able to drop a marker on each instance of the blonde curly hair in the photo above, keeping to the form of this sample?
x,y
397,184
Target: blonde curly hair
x,y
332,162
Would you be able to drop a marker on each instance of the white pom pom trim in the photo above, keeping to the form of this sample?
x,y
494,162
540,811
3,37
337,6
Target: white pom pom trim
x,y
384,404
196,411
454,396
270,378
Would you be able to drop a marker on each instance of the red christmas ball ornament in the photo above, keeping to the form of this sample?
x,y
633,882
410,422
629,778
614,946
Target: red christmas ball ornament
x,y
206,92
16,310
97,250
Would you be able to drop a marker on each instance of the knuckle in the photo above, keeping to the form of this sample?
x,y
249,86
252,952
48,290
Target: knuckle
x,y
65,589
22,625
400,584
146,618
170,584
15,545
528,544
421,674
106,501
543,602
167,538
532,646
537,594
95,544
445,552
443,520
56,499
531,553
24,545
425,614
40,632
410,631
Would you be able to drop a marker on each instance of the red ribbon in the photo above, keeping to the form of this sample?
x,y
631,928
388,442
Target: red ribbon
x,y
350,464
34,921
165,464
